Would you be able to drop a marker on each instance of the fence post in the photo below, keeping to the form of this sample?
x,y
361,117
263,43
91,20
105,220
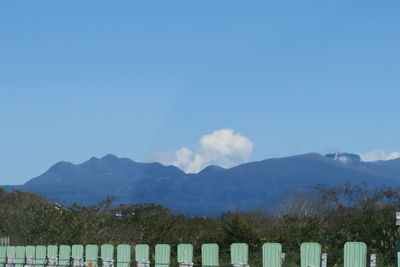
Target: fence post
x,y
324,261
398,254
372,260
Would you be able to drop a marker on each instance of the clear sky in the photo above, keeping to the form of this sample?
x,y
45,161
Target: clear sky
x,y
162,80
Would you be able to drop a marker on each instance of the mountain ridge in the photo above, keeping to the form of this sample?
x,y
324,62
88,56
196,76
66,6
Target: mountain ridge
x,y
212,190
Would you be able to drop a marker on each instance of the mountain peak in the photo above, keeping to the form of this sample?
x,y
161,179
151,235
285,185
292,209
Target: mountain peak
x,y
109,157
61,165
211,169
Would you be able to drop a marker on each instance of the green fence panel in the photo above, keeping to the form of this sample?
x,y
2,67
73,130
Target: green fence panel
x,y
40,256
123,255
77,252
91,255
310,254
3,256
64,255
11,253
239,253
162,255
272,255
142,252
210,255
19,256
355,254
52,253
107,255
30,255
185,253
77,255
107,252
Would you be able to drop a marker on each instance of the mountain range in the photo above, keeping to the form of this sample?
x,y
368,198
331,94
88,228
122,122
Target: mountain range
x,y
211,191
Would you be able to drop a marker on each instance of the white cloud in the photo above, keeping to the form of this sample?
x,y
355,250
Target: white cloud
x,y
225,142
223,147
379,155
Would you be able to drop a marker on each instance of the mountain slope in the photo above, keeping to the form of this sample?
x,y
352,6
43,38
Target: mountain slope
x,y
95,179
212,190
265,182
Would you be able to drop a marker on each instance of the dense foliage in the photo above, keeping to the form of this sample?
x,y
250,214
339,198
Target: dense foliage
x,y
330,216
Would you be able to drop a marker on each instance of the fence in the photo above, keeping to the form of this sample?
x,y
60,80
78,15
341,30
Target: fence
x,y
355,255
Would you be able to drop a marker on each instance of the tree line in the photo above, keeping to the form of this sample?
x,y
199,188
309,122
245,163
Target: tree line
x,y
330,216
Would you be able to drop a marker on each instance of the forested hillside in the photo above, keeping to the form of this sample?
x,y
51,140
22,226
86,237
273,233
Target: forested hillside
x,y
330,216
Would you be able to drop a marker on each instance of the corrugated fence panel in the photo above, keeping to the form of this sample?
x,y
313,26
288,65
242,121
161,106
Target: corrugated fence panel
x,y
64,255
19,256
272,255
92,254
77,252
11,250
52,252
163,255
142,252
107,252
123,255
355,254
3,256
40,255
310,254
185,253
210,255
239,253
30,253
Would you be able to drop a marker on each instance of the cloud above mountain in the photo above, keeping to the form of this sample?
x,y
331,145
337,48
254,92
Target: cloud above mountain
x,y
379,155
223,147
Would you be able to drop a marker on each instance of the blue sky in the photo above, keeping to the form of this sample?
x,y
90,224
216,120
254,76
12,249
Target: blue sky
x,y
144,79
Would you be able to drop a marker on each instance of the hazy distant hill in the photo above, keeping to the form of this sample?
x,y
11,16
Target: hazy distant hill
x,y
211,191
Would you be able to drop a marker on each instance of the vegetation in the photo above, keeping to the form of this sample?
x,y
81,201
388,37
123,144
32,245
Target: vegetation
x,y
330,216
